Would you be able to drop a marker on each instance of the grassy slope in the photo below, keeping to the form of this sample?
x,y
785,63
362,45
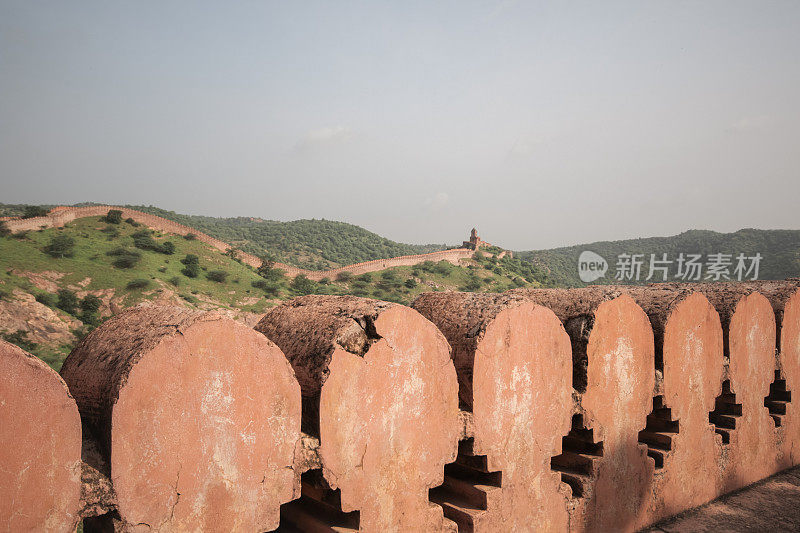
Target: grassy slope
x,y
780,250
90,260
313,244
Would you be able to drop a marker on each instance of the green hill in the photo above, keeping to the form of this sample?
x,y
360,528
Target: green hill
x,y
312,244
780,250
57,284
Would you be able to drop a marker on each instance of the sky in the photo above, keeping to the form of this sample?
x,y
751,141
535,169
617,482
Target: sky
x,y
541,124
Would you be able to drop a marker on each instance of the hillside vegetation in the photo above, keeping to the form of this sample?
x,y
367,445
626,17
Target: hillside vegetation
x,y
57,284
311,244
780,250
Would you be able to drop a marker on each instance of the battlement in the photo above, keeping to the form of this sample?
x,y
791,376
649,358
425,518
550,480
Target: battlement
x,y
596,409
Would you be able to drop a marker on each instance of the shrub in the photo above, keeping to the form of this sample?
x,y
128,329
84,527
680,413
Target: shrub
x,y
60,246
124,258
268,271
473,284
233,253
302,285
190,236
389,275
168,248
4,231
325,281
175,281
162,269
189,298
3,295
427,266
114,216
20,235
90,319
131,222
143,239
138,284
67,301
20,338
191,270
344,276
33,211
111,231
217,275
367,277
190,259
410,283
45,298
443,268
91,303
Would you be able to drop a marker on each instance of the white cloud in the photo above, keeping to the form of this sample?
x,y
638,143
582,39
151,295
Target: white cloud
x,y
324,137
438,200
751,123
527,145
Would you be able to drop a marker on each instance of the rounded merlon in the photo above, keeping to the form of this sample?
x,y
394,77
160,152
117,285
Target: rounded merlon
x,y
40,446
197,416
381,392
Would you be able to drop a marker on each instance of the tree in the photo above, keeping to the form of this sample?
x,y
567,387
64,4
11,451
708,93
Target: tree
x,y
20,338
4,231
114,216
265,269
217,275
190,259
33,211
302,285
192,270
138,284
168,248
91,303
60,246
233,253
67,301
268,271
124,258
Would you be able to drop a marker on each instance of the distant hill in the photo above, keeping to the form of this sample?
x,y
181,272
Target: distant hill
x,y
56,284
312,244
323,244
780,250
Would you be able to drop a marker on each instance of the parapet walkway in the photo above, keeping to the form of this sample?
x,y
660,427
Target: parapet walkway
x,y
769,505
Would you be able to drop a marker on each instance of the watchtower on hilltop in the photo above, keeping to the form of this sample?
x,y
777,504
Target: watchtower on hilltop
x,y
474,241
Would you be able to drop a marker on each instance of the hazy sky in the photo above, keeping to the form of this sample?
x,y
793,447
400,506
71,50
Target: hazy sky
x,y
541,125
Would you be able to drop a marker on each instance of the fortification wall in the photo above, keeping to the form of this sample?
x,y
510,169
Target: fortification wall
x,y
60,216
599,409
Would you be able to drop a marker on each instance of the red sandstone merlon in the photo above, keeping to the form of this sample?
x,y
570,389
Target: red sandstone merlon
x,y
196,416
380,391
748,324
613,374
689,366
40,446
782,403
514,366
